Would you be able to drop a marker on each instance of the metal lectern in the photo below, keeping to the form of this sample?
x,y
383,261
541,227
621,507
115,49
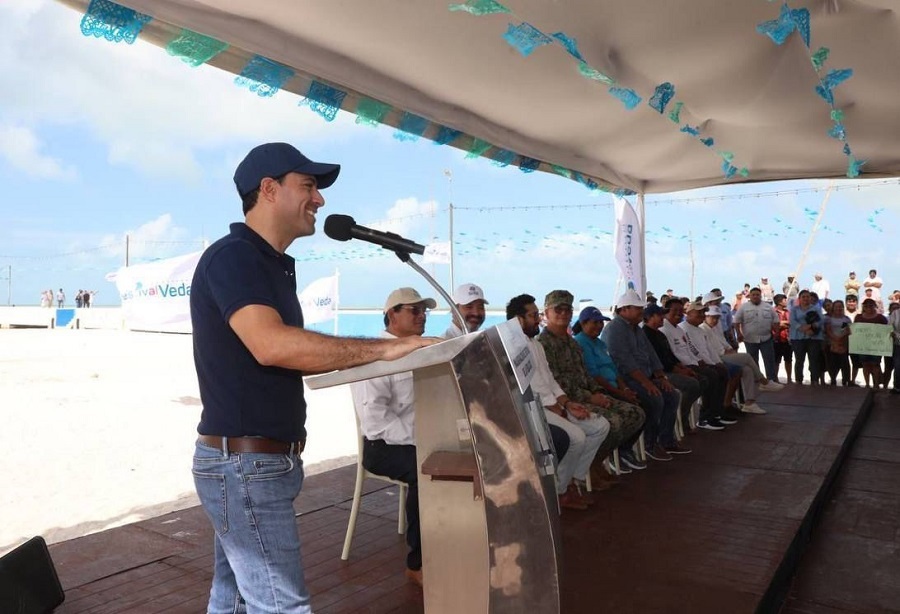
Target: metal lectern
x,y
487,494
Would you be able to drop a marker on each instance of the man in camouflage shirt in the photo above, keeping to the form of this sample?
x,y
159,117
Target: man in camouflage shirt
x,y
567,365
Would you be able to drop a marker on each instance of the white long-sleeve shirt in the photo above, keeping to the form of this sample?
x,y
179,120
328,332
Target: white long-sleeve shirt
x,y
543,385
680,346
698,341
716,341
385,407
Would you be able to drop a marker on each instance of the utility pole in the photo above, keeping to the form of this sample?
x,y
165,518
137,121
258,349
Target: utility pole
x,y
8,284
449,175
127,246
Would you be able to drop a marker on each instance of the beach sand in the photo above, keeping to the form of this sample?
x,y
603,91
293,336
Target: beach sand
x,y
98,429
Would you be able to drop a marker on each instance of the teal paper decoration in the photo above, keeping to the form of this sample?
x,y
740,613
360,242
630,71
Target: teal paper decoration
x,y
675,113
263,76
708,141
830,81
628,96
504,157
561,170
411,127
661,97
477,149
525,38
115,23
853,166
528,165
819,57
446,135
729,170
788,20
591,73
837,132
480,7
194,49
324,100
690,130
569,43
371,112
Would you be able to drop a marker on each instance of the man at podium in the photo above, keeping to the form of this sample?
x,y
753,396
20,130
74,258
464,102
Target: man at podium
x,y
385,406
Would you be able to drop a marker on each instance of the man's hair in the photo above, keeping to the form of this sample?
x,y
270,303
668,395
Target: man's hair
x,y
387,320
754,289
777,298
249,199
672,301
851,297
515,308
873,271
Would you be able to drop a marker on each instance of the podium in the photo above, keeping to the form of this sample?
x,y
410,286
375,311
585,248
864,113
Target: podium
x,y
487,494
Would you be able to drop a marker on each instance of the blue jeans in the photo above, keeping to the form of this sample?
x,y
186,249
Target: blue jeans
x,y
249,501
659,426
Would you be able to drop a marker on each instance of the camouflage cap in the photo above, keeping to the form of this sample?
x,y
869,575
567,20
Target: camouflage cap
x,y
558,297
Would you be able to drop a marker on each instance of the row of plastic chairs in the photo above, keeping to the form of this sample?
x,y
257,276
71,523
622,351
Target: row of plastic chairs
x,y
361,475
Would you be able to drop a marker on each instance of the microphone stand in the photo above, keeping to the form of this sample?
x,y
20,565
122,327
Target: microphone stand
x,y
405,257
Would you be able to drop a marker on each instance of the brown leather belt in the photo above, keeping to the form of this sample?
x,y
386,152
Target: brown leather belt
x,y
258,445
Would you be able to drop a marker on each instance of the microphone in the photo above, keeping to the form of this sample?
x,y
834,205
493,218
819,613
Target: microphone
x,y
343,228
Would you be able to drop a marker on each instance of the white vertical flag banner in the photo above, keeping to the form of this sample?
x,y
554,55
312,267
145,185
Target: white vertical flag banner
x,y
627,245
319,300
156,296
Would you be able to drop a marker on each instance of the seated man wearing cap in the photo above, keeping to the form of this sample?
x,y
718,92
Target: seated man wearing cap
x,y
470,301
566,361
643,373
385,406
698,341
752,379
713,394
586,431
689,382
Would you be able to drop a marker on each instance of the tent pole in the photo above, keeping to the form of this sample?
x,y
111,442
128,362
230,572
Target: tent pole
x,y
812,236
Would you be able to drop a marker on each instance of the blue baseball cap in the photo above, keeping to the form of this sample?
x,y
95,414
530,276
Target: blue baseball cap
x,y
277,159
652,310
592,314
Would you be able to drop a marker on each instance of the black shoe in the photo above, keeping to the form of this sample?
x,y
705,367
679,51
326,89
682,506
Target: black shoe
x,y
726,420
711,425
631,461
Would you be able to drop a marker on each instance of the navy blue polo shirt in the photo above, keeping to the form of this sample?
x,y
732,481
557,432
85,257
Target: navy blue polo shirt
x,y
241,397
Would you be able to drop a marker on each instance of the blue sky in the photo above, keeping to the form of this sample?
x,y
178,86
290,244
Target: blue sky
x,y
101,140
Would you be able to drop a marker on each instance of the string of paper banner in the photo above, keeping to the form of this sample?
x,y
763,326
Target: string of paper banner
x,y
105,19
477,243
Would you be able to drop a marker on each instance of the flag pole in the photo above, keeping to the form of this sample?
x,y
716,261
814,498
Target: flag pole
x,y
337,298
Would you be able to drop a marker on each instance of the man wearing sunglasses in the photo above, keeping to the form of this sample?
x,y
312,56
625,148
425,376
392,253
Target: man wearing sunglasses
x,y
385,406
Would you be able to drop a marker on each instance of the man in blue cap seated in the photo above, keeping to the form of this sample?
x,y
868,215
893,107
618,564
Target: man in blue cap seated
x,y
691,383
250,351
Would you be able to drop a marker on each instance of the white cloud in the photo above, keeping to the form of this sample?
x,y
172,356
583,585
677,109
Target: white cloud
x,y
155,113
158,238
21,149
406,215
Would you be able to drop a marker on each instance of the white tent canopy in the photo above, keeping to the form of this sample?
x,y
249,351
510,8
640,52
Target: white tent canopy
x,y
754,98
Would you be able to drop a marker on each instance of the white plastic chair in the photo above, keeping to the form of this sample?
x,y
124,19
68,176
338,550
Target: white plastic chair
x,y
361,475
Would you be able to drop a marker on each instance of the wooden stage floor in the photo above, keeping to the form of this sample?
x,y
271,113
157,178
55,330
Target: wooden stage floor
x,y
719,530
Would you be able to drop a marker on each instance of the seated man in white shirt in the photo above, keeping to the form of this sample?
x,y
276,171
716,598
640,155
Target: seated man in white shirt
x,y
752,379
387,418
586,430
470,301
698,341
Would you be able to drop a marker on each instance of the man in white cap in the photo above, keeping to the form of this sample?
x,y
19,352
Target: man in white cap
x,y
470,301
385,406
821,287
640,367
752,379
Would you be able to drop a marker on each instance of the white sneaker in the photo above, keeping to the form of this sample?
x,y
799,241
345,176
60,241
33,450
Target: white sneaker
x,y
771,386
752,408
